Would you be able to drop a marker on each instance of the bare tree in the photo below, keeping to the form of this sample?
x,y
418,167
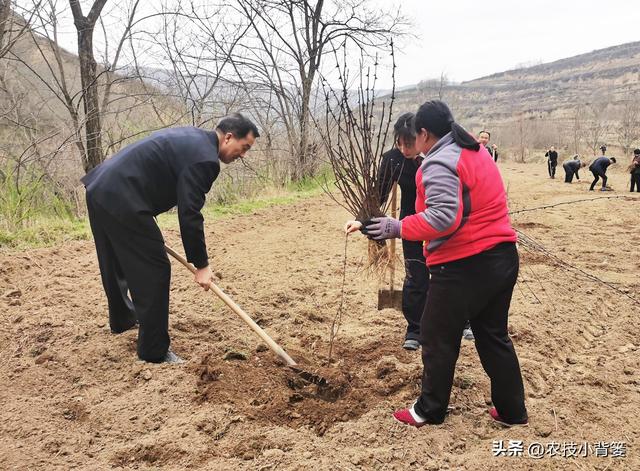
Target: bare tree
x,y
596,126
196,45
288,43
576,128
435,87
354,133
12,28
522,133
628,128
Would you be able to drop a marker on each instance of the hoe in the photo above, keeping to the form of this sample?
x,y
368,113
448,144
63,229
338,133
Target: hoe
x,y
275,348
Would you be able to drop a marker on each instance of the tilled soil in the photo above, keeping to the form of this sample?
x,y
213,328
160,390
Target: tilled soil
x,y
74,396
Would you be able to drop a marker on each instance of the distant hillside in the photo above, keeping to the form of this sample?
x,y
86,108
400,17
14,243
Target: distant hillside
x,y
604,79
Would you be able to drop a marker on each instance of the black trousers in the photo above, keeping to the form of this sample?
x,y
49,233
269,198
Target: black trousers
x,y
568,174
596,177
477,288
415,287
635,181
132,258
552,168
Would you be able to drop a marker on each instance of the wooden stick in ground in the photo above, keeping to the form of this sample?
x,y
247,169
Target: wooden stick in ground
x,y
392,243
275,348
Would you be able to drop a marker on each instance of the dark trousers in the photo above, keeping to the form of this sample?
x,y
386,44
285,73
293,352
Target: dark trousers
x,y
132,258
568,174
635,181
596,177
552,168
415,287
477,288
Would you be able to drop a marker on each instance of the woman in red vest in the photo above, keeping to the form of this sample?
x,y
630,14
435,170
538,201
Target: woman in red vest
x,y
470,248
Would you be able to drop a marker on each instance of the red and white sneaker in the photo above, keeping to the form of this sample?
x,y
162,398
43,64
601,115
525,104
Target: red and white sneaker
x,y
495,416
408,416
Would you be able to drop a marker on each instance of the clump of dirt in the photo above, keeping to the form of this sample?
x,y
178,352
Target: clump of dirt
x,y
157,454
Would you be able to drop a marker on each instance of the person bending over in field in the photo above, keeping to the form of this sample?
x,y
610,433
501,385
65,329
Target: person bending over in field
x,y
599,170
171,167
571,168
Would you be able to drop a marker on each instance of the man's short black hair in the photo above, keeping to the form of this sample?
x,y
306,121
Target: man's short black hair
x,y
237,125
636,151
485,132
613,159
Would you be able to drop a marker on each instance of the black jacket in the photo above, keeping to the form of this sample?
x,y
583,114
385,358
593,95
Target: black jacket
x,y
170,167
394,167
572,166
552,155
600,165
492,152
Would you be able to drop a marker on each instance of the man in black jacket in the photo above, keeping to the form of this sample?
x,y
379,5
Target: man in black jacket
x,y
484,137
171,167
400,164
599,170
571,168
552,161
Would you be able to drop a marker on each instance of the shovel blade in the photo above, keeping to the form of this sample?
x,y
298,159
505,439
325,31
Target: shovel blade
x,y
389,299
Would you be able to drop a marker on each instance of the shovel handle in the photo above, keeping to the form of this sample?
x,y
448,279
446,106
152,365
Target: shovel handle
x,y
275,348
392,243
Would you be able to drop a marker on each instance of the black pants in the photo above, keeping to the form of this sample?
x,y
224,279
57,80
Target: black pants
x,y
596,177
477,288
635,181
552,168
415,287
568,174
132,258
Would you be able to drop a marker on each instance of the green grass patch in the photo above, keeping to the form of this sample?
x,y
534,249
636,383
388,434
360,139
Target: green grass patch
x,y
44,232
213,211
41,231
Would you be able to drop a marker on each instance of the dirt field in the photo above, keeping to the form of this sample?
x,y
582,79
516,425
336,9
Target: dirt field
x,y
74,396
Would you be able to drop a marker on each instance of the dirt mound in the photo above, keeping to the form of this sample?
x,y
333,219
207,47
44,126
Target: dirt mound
x,y
271,393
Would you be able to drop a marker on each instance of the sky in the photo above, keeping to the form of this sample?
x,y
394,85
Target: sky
x,y
467,39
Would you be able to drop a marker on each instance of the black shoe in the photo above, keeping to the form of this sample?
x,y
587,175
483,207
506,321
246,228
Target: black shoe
x,y
411,344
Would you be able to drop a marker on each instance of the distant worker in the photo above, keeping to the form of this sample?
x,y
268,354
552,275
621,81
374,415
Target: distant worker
x,y
552,161
571,168
634,170
599,169
484,137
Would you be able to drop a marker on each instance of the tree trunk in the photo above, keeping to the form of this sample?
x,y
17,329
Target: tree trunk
x,y
304,169
93,129
5,14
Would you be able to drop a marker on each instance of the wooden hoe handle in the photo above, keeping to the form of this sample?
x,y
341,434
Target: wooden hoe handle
x,y
275,348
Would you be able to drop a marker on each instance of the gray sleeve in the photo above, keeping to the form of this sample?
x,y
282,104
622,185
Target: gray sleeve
x,y
442,192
